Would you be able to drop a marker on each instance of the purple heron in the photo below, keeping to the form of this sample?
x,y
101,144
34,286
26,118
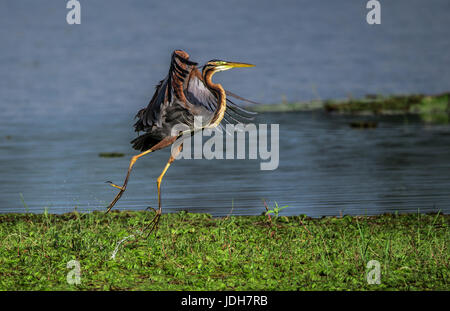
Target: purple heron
x,y
183,94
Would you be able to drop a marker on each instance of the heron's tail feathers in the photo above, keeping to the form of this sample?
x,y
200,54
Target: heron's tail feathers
x,y
144,142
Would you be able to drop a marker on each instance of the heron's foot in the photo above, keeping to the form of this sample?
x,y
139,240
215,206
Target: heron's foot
x,y
154,224
115,186
116,198
151,208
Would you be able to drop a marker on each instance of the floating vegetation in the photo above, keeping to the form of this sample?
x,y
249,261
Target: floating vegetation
x,y
397,104
431,108
286,106
363,124
111,154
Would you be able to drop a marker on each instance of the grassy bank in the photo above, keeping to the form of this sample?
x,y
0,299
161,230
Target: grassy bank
x,y
197,252
432,109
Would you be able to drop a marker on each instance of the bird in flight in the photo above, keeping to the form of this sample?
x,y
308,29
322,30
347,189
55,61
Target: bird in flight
x,y
184,94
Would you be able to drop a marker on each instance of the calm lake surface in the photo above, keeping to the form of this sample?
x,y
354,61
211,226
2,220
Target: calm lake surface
x,y
68,93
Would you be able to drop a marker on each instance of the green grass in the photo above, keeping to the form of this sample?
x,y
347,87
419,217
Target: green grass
x,y
198,252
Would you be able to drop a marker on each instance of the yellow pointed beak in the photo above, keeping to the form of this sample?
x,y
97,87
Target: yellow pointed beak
x,y
229,65
236,65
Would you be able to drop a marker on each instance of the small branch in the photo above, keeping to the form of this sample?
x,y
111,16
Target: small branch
x,y
305,226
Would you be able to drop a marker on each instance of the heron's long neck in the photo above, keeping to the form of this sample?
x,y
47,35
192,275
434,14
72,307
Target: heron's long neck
x,y
221,98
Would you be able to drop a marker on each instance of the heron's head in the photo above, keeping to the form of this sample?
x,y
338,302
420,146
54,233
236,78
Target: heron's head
x,y
220,65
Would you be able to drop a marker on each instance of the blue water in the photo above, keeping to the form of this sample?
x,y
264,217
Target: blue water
x,y
69,92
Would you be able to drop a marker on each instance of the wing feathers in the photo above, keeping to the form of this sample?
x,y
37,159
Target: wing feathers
x,y
171,86
184,86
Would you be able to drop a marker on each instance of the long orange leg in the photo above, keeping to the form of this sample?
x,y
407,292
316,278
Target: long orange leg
x,y
155,220
163,143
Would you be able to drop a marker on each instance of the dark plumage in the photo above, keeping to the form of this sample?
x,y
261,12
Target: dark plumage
x,y
177,99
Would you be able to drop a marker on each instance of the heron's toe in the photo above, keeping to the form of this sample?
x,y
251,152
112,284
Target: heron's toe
x,y
114,185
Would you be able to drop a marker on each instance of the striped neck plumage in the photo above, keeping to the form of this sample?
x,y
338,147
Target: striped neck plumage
x,y
220,94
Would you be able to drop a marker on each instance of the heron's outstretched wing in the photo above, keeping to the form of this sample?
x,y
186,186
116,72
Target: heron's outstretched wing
x,y
199,95
168,90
